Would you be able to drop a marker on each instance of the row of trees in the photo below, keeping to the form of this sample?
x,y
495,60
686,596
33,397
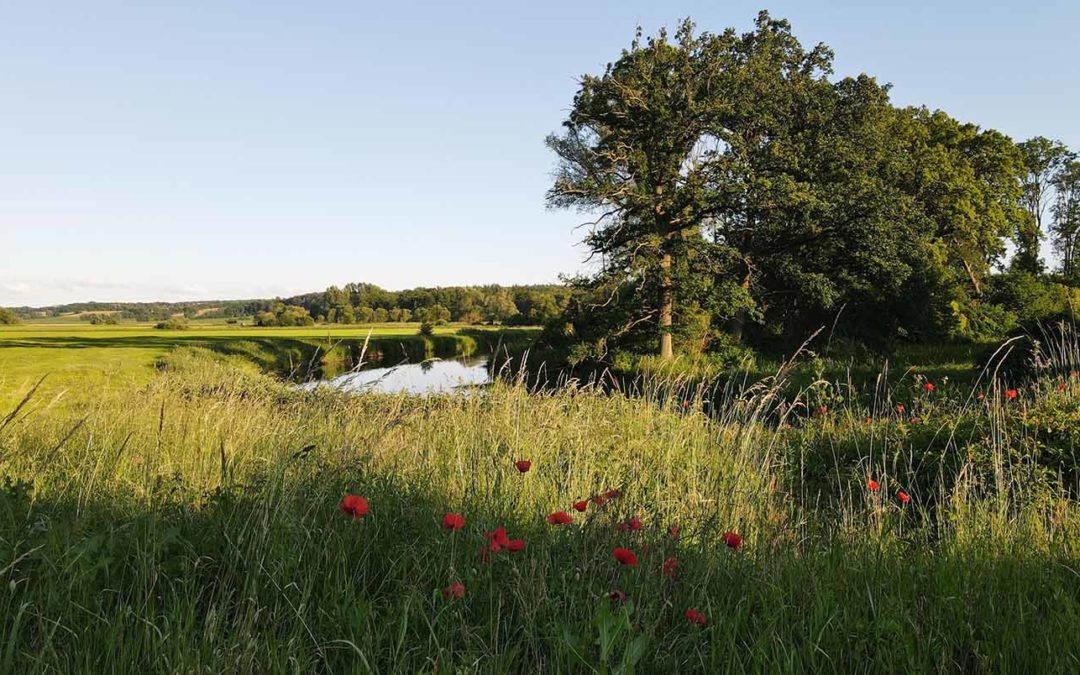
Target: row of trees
x,y
366,303
736,191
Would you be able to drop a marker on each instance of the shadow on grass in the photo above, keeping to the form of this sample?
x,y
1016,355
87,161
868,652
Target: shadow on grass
x,y
269,575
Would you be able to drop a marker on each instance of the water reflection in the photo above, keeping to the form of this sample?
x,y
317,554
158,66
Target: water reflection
x,y
428,377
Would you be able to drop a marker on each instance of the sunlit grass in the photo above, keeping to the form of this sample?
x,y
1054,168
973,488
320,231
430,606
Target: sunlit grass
x,y
191,523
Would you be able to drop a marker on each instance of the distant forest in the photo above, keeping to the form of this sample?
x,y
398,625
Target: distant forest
x,y
351,303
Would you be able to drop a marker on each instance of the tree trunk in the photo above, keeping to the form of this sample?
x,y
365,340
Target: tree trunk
x,y
738,322
974,279
667,301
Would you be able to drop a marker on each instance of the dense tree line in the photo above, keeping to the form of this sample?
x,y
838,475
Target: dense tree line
x,y
738,193
352,303
367,303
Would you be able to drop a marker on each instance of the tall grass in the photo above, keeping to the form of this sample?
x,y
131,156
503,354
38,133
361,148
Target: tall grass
x,y
192,525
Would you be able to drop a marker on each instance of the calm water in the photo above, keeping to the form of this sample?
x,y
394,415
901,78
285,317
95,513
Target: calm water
x,y
430,377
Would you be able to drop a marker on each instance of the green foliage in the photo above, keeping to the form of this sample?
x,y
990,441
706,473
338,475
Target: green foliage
x,y
8,317
174,323
284,315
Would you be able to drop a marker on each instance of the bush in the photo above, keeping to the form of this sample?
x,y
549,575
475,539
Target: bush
x,y
175,323
427,329
7,316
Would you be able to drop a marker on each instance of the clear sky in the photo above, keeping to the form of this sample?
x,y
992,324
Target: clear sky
x,y
181,150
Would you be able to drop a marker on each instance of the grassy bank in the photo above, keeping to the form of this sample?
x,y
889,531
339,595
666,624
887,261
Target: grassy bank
x,y
191,523
80,359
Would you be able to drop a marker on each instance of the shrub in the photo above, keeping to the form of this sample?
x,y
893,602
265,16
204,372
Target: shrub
x,y
175,323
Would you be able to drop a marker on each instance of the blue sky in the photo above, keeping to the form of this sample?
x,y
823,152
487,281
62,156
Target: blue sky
x,y
183,150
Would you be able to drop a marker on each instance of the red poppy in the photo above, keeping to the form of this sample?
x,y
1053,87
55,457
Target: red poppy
x,y
612,494
454,590
580,506
355,506
1010,394
560,518
632,525
899,408
453,521
523,465
695,617
673,530
872,485
823,410
598,500
903,496
497,540
617,597
929,387
1062,386
625,557
670,567
732,539
515,545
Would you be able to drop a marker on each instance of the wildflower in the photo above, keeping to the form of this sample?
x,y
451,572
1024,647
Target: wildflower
x,y
560,518
1062,386
598,500
929,387
732,539
823,410
612,494
673,531
515,545
617,597
523,465
900,408
453,521
625,557
355,506
632,525
670,567
1011,394
454,590
497,540
903,496
980,397
580,506
872,485
695,617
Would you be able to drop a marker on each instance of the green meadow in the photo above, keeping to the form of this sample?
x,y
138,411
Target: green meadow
x,y
181,504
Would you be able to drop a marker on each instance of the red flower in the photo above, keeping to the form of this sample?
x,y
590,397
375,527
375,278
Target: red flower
x,y
633,525
1062,386
497,540
732,539
695,617
612,494
617,597
453,521
823,410
625,557
454,590
899,408
515,545
669,567
929,387
872,485
598,500
673,530
560,518
903,496
581,505
523,465
1010,394
355,506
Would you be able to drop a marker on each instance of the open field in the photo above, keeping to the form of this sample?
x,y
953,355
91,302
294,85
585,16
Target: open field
x,y
190,521
78,358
